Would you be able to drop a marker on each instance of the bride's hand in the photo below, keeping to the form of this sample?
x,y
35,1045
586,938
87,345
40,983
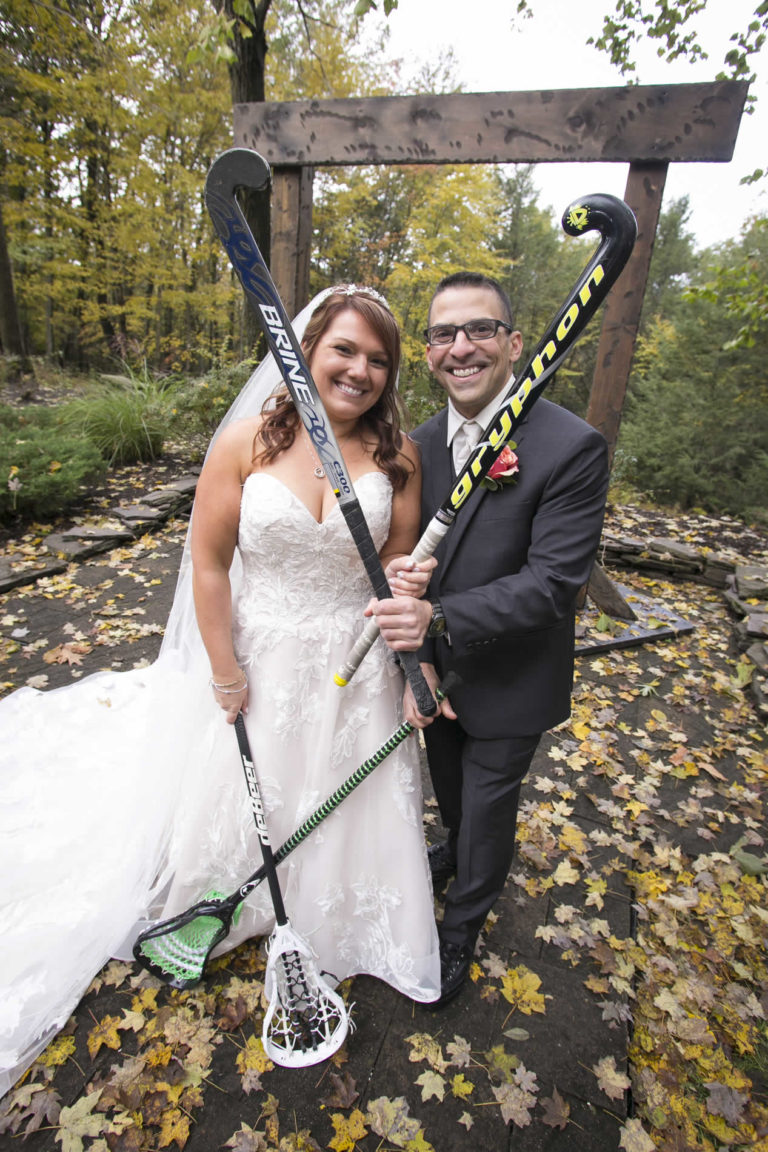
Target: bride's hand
x,y
407,578
231,699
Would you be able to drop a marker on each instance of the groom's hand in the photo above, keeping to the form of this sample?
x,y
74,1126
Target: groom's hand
x,y
403,621
411,712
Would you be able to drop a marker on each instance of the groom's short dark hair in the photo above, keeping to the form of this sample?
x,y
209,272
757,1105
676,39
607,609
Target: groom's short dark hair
x,y
475,280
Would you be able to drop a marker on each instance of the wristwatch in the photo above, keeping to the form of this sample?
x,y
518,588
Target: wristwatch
x,y
437,625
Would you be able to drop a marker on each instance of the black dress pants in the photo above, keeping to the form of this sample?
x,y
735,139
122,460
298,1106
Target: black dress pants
x,y
477,786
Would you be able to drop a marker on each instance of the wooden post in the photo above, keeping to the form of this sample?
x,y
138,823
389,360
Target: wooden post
x,y
621,319
291,234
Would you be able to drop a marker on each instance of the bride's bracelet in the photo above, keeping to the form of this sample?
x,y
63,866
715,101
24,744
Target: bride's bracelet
x,y
230,689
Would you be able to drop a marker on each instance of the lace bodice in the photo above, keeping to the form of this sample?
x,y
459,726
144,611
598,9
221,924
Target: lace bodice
x,y
298,572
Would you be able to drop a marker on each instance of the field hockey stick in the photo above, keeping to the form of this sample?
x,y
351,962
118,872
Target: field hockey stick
x,y
616,223
242,167
177,950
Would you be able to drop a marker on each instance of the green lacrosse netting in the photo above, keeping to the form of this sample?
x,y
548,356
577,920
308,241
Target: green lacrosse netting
x,y
179,957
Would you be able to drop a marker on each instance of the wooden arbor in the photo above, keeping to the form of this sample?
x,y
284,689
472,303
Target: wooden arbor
x,y
647,127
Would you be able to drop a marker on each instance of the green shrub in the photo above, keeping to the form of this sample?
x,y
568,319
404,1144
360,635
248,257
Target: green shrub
x,y
42,469
126,417
199,406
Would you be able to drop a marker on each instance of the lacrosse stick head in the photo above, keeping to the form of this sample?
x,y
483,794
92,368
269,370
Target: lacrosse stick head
x,y
306,1021
177,950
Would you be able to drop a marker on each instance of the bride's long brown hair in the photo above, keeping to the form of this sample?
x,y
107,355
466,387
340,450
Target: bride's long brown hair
x,y
382,423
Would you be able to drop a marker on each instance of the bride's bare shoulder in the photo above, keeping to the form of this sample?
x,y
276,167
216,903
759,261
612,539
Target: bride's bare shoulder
x,y
238,434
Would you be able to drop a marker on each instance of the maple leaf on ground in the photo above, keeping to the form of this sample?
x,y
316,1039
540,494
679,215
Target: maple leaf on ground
x,y
105,1032
79,1121
348,1130
302,1141
423,1047
67,654
232,1015
459,1052
466,1120
565,873
390,1119
610,1080
34,1103
253,1057
726,1102
501,1064
174,1128
461,1087
250,1081
521,988
57,1052
634,1138
431,1084
247,1139
115,972
250,991
516,1105
556,1110
494,966
343,1092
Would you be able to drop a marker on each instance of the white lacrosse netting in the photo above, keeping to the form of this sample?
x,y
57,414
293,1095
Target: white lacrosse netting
x,y
306,1021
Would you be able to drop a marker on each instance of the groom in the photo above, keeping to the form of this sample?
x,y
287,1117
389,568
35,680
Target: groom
x,y
500,607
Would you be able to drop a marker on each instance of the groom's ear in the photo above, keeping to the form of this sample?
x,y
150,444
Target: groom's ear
x,y
515,346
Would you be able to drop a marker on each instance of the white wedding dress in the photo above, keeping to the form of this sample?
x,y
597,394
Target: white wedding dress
x,y
123,796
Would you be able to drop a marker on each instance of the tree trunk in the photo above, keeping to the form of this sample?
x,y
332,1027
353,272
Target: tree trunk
x,y
246,78
11,336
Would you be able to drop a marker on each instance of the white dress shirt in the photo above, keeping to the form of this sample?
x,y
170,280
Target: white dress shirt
x,y
463,434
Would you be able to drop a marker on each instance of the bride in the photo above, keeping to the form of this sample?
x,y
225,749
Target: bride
x,y
122,797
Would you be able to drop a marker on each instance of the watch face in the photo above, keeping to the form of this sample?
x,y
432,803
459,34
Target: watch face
x,y
437,627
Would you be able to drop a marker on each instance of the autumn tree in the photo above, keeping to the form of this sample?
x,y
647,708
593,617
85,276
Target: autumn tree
x,y
697,421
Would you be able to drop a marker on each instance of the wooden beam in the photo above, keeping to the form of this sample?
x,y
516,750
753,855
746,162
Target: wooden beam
x,y
660,122
291,235
621,318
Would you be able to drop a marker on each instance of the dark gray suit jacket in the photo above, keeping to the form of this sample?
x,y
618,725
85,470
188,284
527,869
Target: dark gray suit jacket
x,y
510,568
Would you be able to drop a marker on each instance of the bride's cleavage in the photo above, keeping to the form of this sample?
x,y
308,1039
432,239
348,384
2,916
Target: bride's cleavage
x,y
323,504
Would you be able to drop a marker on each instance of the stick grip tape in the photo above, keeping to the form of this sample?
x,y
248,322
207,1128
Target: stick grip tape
x,y
433,534
353,514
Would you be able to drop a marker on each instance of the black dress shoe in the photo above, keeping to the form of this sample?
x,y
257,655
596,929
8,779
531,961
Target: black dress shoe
x,y
442,862
455,960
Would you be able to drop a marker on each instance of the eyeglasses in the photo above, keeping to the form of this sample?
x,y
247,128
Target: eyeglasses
x,y
473,330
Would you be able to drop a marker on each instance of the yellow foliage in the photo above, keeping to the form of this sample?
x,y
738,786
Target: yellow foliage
x,y
253,1056
462,1087
105,1032
348,1130
57,1052
521,988
174,1129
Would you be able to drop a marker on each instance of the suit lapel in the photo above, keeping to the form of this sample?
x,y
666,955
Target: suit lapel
x,y
461,524
437,467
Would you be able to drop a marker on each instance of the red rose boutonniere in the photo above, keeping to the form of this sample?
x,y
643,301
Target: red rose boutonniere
x,y
504,470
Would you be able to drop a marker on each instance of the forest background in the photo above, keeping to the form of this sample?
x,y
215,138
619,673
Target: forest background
x,y
118,303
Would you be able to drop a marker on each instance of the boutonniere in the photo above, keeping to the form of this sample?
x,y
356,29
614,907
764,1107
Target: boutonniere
x,y
504,469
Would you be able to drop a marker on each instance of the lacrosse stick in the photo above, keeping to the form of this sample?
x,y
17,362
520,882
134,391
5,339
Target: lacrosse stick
x,y
306,1021
177,950
242,167
616,223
